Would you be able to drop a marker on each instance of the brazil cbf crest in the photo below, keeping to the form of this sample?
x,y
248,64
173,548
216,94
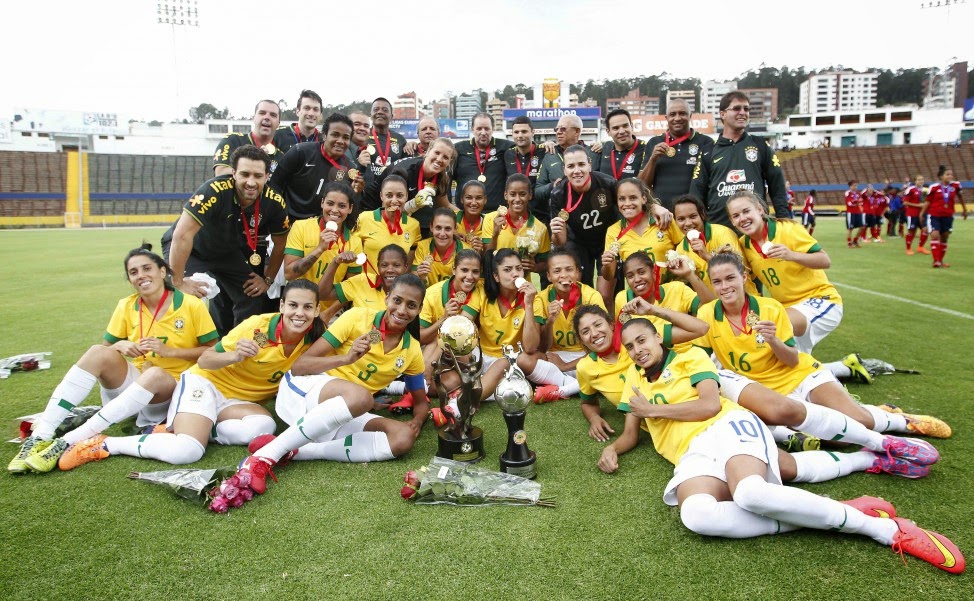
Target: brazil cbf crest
x,y
751,153
179,323
534,161
400,361
693,150
602,200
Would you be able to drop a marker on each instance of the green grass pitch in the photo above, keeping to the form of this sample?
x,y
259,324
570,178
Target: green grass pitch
x,y
340,531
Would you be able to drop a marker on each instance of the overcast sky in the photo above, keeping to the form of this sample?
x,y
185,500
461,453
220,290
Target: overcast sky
x,y
113,56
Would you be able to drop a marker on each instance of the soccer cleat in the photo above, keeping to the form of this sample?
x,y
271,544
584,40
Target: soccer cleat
x,y
154,429
913,450
547,394
257,468
439,417
924,425
44,460
874,507
944,265
910,252
404,406
85,451
859,373
894,466
927,545
799,441
259,442
18,464
937,264
923,250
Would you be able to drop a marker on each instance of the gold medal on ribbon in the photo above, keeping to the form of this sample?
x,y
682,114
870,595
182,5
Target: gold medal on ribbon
x,y
624,317
353,174
614,248
752,319
671,151
481,178
502,211
563,215
255,259
371,149
461,296
375,336
260,338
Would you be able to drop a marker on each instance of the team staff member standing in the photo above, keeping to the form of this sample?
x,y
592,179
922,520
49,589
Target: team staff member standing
x,y
674,155
308,166
267,116
482,159
223,231
626,156
383,145
306,129
526,158
738,162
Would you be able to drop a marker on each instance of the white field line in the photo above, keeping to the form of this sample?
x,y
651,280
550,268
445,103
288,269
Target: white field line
x,y
905,300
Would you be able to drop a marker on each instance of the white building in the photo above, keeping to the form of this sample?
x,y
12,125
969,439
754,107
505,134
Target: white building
x,y
837,91
873,127
468,105
688,96
711,92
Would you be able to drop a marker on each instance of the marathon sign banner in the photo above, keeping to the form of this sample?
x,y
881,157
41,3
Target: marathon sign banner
x,y
554,114
647,126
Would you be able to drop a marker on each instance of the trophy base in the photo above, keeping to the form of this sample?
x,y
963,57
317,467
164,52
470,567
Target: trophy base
x,y
470,450
524,468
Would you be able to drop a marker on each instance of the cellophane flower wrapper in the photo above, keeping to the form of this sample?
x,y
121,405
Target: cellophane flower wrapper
x,y
458,483
192,484
75,418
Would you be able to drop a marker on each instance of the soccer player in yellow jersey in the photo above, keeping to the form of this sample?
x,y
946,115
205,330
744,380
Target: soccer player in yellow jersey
x,y
701,239
312,243
367,290
726,479
434,256
388,225
470,217
219,398
161,330
516,228
637,231
560,300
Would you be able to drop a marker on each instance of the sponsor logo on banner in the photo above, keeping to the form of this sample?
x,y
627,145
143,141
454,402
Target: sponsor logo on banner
x,y
647,126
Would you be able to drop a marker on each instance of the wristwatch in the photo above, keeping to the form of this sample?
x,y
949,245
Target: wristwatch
x,y
268,281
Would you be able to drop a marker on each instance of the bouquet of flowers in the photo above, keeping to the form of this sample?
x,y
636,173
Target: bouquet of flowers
x,y
75,418
28,362
192,484
527,245
878,367
456,483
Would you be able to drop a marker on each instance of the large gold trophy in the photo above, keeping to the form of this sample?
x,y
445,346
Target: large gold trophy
x,y
459,440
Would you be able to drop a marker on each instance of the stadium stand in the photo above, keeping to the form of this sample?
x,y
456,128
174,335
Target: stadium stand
x,y
32,184
143,185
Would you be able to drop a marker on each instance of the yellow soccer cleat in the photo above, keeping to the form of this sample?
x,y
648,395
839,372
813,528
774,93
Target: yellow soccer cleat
x,y
86,451
18,465
859,373
43,460
924,425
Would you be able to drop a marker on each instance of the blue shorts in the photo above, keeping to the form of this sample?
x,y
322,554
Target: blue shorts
x,y
808,219
940,224
854,220
912,223
872,220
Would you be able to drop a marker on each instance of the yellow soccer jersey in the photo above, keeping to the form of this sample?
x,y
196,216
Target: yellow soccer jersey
x,y
676,384
304,237
442,268
653,241
438,295
376,369
476,227
716,236
506,238
675,296
562,333
496,331
374,234
255,378
185,324
743,353
361,293
786,281
596,376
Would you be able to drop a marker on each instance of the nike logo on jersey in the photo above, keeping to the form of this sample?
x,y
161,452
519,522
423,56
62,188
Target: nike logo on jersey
x,y
718,159
308,165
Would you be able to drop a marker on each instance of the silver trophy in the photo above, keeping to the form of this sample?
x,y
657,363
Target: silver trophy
x,y
513,395
459,440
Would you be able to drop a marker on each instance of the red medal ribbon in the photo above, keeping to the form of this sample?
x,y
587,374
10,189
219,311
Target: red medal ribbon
x,y
747,329
656,281
616,339
383,156
453,292
394,226
449,252
162,303
756,246
672,142
421,181
518,302
251,243
517,161
382,325
297,135
625,160
279,334
341,235
631,225
574,295
334,163
569,206
514,229
482,166
467,226
378,279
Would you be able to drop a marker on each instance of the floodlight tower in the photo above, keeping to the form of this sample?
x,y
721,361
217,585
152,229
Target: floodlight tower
x,y
182,14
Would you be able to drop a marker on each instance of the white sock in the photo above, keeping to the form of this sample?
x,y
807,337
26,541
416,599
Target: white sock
x,y
802,508
886,421
177,449
72,390
242,431
570,388
395,387
124,405
829,424
360,447
819,466
547,373
321,421
703,514
838,369
781,433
